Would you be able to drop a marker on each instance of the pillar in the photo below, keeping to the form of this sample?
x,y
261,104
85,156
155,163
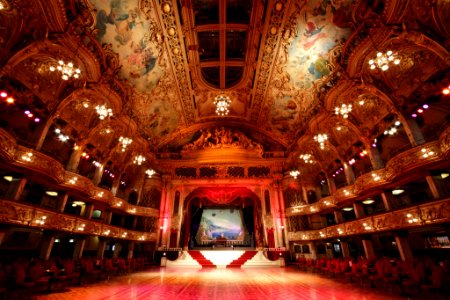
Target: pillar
x,y
349,174
359,210
368,248
89,209
117,248
74,159
414,133
115,185
108,217
433,187
62,201
130,250
404,248
79,248
43,134
101,248
386,201
98,175
375,159
331,184
46,246
345,249
16,189
338,216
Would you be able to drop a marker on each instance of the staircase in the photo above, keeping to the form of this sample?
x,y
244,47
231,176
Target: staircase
x,y
198,256
237,263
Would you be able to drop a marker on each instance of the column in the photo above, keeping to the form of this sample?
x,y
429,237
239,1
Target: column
x,y
98,175
386,201
74,159
79,247
331,184
62,201
16,188
130,250
349,174
108,217
414,133
117,249
404,248
359,210
101,248
115,185
375,159
433,187
43,133
46,246
345,249
89,209
338,216
368,248
313,250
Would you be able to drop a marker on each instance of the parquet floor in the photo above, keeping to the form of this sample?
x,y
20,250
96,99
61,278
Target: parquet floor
x,y
233,284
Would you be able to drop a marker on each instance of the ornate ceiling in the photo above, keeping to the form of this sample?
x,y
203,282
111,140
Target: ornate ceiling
x,y
285,65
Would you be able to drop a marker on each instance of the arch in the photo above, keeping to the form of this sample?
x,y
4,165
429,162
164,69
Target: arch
x,y
222,196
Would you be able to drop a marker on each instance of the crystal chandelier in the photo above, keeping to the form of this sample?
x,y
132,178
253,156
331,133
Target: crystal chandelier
x,y
383,60
68,70
321,138
222,104
344,110
150,172
307,158
125,141
138,160
294,173
103,112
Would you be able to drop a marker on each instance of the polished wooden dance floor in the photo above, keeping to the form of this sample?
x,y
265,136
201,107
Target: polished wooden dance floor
x,y
234,284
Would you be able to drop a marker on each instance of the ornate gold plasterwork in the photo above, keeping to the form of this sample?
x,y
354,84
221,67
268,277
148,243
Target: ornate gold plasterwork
x,y
17,213
426,214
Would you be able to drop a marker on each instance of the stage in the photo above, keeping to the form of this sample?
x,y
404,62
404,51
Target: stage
x,y
249,284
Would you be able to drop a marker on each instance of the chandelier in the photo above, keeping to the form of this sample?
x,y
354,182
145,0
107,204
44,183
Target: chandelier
x,y
222,104
138,160
344,110
103,112
383,60
68,70
307,158
4,5
125,141
321,138
150,172
294,173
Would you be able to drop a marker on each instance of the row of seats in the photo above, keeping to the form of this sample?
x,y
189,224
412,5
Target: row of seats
x,y
23,278
417,278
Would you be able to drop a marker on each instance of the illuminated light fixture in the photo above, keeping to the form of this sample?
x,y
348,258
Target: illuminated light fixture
x,y
294,173
426,153
397,192
86,104
124,234
67,70
361,100
346,193
27,156
4,5
383,60
307,158
322,234
222,104
61,137
368,201
107,232
393,129
443,175
138,160
96,163
71,240
347,209
103,112
321,138
3,94
150,172
10,100
10,178
100,194
78,203
41,221
351,161
52,193
344,110
119,204
446,91
81,227
366,226
57,240
142,238
125,141
375,177
412,219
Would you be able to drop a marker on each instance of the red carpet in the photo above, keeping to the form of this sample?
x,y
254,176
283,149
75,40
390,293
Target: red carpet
x,y
198,256
241,260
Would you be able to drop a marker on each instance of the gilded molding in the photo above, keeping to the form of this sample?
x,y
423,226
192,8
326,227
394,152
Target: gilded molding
x,y
426,214
21,214
8,145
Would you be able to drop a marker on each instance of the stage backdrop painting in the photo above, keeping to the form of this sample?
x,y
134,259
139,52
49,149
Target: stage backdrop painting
x,y
221,223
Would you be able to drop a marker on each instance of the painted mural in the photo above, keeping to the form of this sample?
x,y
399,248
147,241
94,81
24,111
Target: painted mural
x,y
316,27
121,24
321,25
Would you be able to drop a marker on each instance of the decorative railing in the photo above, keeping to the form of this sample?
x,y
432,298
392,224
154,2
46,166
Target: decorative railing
x,y
37,162
426,214
22,214
402,163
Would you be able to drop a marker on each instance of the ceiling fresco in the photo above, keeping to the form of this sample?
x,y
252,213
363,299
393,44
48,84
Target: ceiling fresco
x,y
138,41
315,30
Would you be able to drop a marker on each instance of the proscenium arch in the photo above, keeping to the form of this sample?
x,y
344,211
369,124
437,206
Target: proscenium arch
x,y
232,194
